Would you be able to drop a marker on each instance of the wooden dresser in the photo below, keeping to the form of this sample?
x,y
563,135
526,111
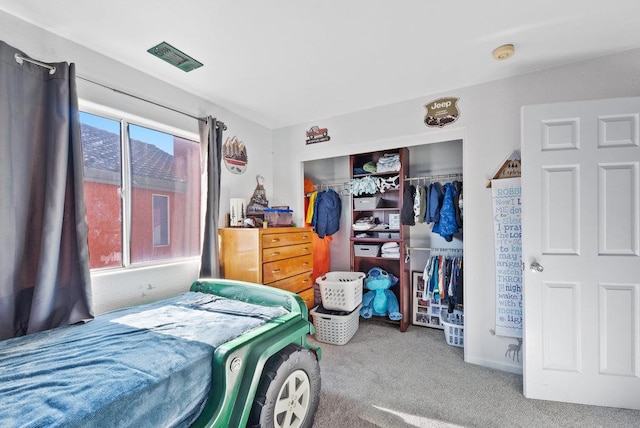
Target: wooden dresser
x,y
280,257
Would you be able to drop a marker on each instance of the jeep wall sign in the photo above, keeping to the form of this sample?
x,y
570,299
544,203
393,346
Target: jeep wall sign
x,y
441,112
315,134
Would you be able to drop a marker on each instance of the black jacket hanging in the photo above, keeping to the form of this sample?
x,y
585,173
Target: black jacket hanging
x,y
407,216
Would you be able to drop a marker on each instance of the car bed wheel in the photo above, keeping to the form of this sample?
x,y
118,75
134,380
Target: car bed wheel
x,y
289,390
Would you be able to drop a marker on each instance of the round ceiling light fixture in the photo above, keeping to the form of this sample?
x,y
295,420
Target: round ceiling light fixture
x,y
503,52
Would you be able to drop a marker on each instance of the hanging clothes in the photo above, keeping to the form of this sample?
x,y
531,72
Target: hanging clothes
x,y
435,196
443,281
406,214
447,225
457,202
416,205
327,213
423,204
321,252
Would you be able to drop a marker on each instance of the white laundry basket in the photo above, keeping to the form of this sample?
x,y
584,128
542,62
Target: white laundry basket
x,y
335,329
453,327
341,291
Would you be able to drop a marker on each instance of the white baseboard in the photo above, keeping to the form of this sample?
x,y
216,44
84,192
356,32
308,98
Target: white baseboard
x,y
516,369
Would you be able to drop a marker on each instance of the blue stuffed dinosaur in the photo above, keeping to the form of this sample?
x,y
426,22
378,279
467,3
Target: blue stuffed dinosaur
x,y
380,301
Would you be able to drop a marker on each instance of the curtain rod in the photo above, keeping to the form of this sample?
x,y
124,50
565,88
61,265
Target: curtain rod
x,y
20,59
224,127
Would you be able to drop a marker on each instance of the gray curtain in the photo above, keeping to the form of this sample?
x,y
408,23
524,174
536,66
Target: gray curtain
x,y
44,262
211,149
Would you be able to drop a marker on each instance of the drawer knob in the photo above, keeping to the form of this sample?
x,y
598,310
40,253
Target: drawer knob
x,y
275,240
305,263
305,237
275,253
305,249
275,271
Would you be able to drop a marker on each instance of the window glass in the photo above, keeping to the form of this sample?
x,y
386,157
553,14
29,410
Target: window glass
x,y
101,145
165,188
161,190
160,220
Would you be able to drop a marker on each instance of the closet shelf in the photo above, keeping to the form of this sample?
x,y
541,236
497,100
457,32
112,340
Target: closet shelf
x,y
375,240
377,209
376,174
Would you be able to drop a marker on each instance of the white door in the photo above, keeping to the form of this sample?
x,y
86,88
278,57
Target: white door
x,y
581,252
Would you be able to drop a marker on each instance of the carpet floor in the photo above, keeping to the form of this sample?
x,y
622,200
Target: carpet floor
x,y
384,378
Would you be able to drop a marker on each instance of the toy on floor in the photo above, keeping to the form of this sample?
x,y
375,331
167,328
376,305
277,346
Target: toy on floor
x,y
380,301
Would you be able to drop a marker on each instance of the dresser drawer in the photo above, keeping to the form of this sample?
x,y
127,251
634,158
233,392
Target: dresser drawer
x,y
279,253
274,271
295,284
270,240
309,298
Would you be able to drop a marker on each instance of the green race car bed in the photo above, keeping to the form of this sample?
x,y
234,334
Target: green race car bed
x,y
225,354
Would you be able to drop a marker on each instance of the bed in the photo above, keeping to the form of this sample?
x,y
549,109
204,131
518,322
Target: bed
x,y
203,358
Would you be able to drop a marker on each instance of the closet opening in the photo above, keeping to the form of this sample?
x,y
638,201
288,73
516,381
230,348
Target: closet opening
x,y
429,162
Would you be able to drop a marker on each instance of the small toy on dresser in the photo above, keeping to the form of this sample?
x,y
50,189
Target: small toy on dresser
x,y
380,301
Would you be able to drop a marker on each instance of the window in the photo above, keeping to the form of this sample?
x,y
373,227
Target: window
x,y
147,210
160,220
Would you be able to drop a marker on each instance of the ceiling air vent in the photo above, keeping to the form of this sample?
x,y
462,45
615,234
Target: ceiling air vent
x,y
173,56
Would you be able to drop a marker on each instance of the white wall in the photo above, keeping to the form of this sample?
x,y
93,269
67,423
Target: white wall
x,y
489,125
124,287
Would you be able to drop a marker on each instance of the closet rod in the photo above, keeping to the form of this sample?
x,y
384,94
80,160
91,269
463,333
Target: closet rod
x,y
432,249
335,184
433,177
407,251
20,59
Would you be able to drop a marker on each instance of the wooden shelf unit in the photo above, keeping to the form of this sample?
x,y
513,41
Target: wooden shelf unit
x,y
388,202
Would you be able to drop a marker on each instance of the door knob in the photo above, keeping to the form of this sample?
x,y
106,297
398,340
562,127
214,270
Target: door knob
x,y
536,267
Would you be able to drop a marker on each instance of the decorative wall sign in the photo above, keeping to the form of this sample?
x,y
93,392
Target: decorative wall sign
x,y
510,167
235,156
315,134
507,209
258,201
441,112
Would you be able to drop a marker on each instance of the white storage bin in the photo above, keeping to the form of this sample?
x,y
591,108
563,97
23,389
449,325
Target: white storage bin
x,y
366,203
335,329
366,250
341,291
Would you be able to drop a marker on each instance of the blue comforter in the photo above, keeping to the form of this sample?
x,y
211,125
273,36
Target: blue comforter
x,y
148,365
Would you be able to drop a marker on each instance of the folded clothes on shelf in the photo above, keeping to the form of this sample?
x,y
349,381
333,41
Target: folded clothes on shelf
x,y
390,250
389,162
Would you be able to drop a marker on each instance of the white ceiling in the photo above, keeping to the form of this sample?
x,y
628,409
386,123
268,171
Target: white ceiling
x,y
283,62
